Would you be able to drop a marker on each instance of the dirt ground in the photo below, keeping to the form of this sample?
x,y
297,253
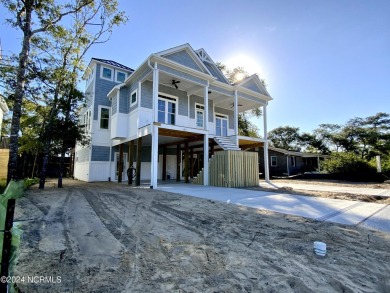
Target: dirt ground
x,y
336,195
106,237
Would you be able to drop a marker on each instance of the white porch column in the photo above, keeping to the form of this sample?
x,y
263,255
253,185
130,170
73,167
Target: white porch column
x,y
206,137
266,164
236,116
155,92
154,163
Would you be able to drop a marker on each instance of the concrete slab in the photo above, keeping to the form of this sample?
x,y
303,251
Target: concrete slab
x,y
332,188
322,209
379,221
358,214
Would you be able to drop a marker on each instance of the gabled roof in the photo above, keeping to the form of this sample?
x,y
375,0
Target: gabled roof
x,y
254,83
176,54
211,66
113,63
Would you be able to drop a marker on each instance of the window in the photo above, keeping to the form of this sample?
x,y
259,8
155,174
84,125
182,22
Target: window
x,y
104,116
133,98
221,125
274,161
199,115
106,73
166,110
120,76
292,160
87,121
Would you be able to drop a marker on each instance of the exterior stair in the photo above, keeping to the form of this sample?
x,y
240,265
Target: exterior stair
x,y
226,143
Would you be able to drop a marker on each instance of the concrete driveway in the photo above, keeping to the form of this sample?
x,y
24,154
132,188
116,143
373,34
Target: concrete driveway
x,y
330,188
370,215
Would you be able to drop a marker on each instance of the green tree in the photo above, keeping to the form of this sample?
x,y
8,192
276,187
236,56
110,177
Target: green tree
x,y
32,18
285,137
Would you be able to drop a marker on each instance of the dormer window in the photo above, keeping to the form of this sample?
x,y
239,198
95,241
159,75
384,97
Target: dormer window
x,y
120,76
106,73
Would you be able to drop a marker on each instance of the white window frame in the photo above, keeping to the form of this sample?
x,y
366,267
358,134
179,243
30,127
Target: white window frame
x,y
196,113
112,73
116,75
99,117
221,116
136,97
276,161
293,161
87,119
172,99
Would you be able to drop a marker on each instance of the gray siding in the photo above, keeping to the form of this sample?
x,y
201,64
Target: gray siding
x,y
251,98
147,95
114,105
215,71
182,98
251,85
83,155
200,100
100,153
89,92
226,112
134,86
214,88
193,100
102,88
146,155
182,74
124,100
182,57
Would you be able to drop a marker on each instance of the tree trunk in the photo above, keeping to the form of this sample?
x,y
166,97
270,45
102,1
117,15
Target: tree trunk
x,y
14,147
19,94
61,171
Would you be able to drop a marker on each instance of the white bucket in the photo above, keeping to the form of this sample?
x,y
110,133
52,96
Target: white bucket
x,y
320,248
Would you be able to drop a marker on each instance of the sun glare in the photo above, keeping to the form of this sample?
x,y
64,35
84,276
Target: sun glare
x,y
250,64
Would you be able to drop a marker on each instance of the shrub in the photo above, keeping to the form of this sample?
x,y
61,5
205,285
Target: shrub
x,y
347,163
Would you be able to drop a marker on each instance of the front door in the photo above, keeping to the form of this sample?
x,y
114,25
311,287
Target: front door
x,y
221,124
124,164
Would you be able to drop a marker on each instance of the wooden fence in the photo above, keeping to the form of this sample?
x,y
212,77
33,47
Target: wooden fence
x,y
4,154
232,169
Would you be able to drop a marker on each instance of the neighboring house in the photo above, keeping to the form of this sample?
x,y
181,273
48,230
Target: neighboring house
x,y
4,142
3,109
175,107
286,163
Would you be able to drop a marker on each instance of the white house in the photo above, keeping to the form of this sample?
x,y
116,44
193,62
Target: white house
x,y
166,114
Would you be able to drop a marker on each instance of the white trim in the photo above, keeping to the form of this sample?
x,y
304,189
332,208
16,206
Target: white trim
x,y
196,112
116,75
99,117
139,95
136,97
226,118
186,47
266,165
112,73
161,96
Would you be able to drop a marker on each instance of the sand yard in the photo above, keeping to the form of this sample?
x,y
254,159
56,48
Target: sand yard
x,y
106,237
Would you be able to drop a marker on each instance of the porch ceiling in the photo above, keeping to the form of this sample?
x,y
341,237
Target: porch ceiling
x,y
220,100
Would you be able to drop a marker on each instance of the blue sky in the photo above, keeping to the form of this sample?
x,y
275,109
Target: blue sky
x,y
323,61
